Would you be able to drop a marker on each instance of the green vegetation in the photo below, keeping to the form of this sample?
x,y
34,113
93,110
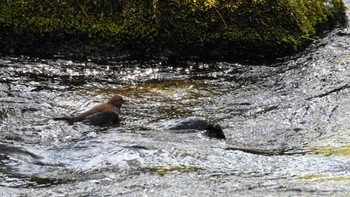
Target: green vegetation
x,y
162,170
323,178
328,150
312,176
211,28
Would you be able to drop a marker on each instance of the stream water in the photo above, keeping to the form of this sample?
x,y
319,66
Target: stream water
x,y
286,124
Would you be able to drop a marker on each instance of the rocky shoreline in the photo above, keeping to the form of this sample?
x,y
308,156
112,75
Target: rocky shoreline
x,y
210,29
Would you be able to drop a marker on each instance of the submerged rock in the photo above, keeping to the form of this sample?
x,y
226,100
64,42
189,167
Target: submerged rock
x,y
196,124
215,131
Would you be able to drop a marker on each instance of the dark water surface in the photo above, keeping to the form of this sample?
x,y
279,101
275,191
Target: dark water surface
x,y
287,126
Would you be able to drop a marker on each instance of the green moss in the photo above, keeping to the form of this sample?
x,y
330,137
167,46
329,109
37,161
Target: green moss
x,y
336,179
162,170
328,150
230,28
162,88
322,178
312,176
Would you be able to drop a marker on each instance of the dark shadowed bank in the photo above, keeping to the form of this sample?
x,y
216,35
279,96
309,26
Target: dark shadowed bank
x,y
168,28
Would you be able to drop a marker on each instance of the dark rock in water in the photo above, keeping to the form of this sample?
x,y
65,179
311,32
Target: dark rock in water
x,y
344,32
195,124
12,150
214,131
189,124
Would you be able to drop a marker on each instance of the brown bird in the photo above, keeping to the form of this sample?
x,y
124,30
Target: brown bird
x,y
103,114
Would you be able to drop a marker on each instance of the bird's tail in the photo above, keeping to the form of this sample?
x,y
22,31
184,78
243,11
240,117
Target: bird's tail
x,y
67,119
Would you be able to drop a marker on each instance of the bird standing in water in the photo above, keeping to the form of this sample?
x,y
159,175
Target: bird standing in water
x,y
103,114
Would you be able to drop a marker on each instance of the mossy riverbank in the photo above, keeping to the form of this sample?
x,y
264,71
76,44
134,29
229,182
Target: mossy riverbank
x,y
179,28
